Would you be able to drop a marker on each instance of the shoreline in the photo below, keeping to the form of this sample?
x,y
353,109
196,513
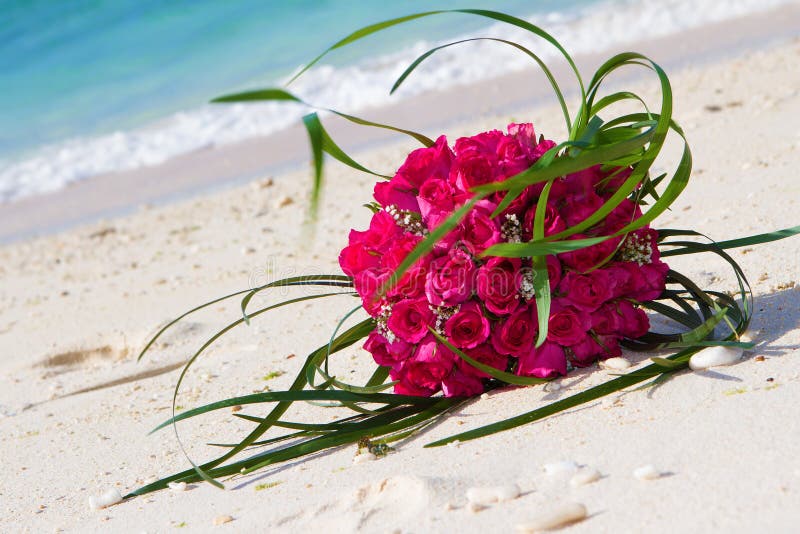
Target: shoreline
x,y
206,171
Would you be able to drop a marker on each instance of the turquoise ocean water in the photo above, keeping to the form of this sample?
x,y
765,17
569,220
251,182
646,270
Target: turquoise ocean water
x,y
96,86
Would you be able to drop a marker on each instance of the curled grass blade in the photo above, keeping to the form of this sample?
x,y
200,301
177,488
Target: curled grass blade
x,y
537,59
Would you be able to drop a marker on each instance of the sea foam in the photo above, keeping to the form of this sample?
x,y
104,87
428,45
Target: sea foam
x,y
355,87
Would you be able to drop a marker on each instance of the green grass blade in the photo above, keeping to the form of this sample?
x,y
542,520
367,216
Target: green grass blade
x,y
508,378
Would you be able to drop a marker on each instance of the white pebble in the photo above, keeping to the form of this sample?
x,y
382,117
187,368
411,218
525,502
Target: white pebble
x,y
177,486
647,472
492,494
715,357
484,396
556,518
616,364
565,467
109,498
584,476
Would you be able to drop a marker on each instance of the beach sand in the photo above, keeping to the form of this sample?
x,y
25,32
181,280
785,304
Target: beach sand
x,y
77,306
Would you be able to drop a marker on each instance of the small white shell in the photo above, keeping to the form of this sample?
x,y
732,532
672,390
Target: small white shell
x,y
715,357
584,476
647,472
177,486
616,363
555,518
109,498
565,467
492,494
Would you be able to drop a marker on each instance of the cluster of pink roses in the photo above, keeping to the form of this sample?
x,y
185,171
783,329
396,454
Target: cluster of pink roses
x,y
485,305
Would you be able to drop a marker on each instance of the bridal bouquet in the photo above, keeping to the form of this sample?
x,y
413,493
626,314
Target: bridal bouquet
x,y
461,308
503,258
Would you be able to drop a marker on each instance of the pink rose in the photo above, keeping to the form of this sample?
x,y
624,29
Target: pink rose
x,y
625,277
476,160
583,182
427,163
545,362
578,207
512,157
397,192
516,334
633,321
399,249
567,326
543,146
412,283
473,169
519,205
653,281
554,271
450,279
367,283
410,319
425,370
586,291
460,384
497,284
482,143
607,319
404,375
468,327
385,353
382,231
587,258
355,258
486,355
479,231
524,134
436,201
553,223
589,350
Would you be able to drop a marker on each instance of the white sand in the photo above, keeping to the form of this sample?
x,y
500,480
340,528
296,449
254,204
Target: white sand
x,y
75,407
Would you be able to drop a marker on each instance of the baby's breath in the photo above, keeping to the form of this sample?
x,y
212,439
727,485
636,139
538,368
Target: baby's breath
x,y
636,248
410,221
442,314
381,322
526,290
511,229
